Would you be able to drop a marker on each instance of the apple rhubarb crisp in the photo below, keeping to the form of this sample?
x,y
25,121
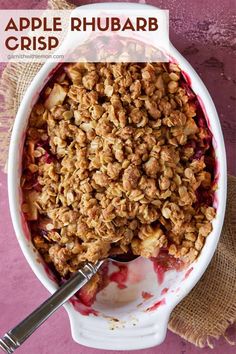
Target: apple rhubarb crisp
x,y
117,158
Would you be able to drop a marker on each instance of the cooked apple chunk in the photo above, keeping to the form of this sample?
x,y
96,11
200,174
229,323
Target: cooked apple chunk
x,y
56,96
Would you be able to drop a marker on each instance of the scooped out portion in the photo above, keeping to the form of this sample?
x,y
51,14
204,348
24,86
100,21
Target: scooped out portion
x,y
117,158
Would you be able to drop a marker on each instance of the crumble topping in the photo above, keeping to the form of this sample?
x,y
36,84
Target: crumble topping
x,y
117,158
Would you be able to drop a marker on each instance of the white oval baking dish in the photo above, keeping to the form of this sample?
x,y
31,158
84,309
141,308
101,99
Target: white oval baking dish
x,y
123,321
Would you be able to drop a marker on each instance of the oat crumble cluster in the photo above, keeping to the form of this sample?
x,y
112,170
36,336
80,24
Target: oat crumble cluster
x,y
117,158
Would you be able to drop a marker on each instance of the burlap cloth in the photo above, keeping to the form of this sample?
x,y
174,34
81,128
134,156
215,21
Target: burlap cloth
x,y
210,308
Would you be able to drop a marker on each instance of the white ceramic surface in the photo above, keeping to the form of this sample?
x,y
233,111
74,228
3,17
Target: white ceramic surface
x,y
135,328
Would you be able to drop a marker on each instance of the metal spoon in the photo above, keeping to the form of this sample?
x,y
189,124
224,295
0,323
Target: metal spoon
x,y
16,336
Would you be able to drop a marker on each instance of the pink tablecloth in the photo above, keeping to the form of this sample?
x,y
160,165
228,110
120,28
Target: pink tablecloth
x,y
203,32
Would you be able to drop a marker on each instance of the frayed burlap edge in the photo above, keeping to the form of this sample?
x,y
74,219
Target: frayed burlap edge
x,y
8,89
15,79
210,308
61,5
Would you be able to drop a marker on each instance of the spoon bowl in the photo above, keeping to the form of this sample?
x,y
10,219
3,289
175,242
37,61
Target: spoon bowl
x,y
123,258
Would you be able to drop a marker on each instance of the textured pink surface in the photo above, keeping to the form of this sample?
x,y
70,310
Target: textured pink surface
x,y
203,32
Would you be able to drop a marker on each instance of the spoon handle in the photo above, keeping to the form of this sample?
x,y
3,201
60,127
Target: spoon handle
x,y
16,336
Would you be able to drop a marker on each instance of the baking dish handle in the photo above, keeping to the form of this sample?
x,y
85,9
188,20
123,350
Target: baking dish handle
x,y
96,332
